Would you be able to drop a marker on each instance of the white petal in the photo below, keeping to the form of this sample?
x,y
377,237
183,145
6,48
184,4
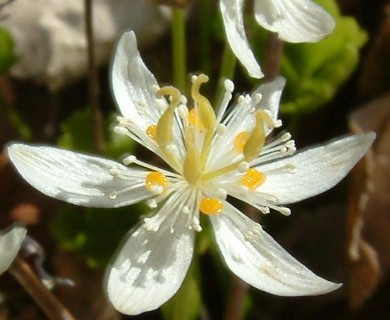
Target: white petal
x,y
134,88
133,84
260,261
77,178
294,20
232,16
271,93
314,170
149,268
10,242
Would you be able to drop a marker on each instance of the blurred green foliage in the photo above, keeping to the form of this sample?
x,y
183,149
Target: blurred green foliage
x,y
186,304
92,233
77,135
315,71
7,54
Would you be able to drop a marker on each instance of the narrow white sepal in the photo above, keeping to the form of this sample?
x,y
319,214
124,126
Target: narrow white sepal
x,y
315,169
77,178
149,268
133,84
232,16
10,242
294,20
259,260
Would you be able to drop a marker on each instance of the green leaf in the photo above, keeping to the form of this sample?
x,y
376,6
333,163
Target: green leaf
x,y
187,301
77,134
7,55
315,71
94,234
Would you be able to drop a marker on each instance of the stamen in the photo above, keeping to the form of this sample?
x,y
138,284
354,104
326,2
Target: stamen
x,y
120,130
114,171
258,98
186,210
229,85
243,166
196,224
229,88
133,159
151,131
114,194
221,129
129,160
210,206
153,224
285,211
222,193
156,182
253,179
130,129
151,203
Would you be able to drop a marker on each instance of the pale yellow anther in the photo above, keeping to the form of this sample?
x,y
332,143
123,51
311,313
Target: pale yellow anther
x,y
205,110
165,123
151,131
240,141
253,179
156,181
256,140
210,206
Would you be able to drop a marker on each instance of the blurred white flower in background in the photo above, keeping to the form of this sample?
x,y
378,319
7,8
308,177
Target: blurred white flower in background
x,y
293,20
50,36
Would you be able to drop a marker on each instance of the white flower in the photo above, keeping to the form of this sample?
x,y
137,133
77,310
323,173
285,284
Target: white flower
x,y
10,241
210,157
293,20
50,38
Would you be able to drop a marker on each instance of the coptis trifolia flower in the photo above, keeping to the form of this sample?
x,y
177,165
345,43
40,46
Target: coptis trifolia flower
x,y
293,21
10,242
211,156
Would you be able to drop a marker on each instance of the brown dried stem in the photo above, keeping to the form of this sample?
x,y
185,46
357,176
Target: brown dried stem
x,y
236,299
49,304
93,80
273,56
